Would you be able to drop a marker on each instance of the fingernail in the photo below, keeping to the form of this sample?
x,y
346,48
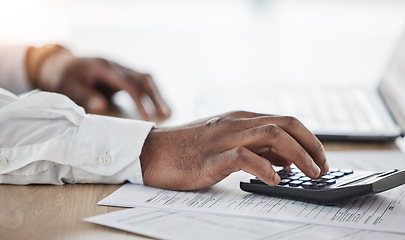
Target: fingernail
x,y
276,179
316,170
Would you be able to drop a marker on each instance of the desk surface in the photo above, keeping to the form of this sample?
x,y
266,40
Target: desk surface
x,y
57,212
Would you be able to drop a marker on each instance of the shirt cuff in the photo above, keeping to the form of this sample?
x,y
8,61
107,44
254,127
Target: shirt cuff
x,y
13,69
107,146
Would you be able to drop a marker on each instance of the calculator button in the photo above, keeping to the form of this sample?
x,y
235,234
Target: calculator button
x,y
284,171
295,183
309,185
305,179
284,181
346,171
334,170
256,180
337,174
327,177
330,182
319,180
295,170
294,177
320,185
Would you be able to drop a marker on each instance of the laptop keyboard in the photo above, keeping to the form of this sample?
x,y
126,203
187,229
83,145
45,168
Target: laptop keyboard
x,y
324,109
333,110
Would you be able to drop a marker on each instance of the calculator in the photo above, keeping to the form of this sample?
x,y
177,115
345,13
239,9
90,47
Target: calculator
x,y
337,186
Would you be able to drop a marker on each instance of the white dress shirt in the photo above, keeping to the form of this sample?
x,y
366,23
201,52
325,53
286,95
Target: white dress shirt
x,y
47,138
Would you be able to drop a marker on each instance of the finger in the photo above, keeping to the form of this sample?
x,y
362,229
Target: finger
x,y
85,96
150,88
112,78
241,158
275,159
295,129
275,139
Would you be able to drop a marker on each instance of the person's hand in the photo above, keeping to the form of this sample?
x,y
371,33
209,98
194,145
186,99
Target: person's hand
x,y
203,153
91,82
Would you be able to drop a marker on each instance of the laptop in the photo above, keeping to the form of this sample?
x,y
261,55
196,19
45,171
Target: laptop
x,y
331,112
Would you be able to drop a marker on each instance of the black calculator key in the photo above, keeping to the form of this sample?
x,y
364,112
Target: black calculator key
x,y
334,169
330,182
305,179
300,174
284,181
328,177
319,180
256,180
320,185
294,177
346,171
337,174
295,170
295,183
285,171
309,185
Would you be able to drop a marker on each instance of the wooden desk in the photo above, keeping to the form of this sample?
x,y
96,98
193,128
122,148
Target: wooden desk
x,y
56,212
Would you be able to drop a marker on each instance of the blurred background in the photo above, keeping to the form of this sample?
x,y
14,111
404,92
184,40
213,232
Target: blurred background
x,y
192,46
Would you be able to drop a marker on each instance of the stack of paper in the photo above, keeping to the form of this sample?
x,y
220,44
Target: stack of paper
x,y
224,211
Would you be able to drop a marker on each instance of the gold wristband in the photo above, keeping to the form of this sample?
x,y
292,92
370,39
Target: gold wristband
x,y
35,57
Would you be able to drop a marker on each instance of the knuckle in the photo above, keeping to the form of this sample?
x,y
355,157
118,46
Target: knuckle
x,y
102,61
240,112
319,145
291,121
271,131
146,77
240,153
303,153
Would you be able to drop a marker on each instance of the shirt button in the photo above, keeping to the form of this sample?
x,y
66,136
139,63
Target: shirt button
x,y
104,159
3,161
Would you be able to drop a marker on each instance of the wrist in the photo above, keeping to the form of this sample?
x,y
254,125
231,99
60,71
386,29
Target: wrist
x,y
44,64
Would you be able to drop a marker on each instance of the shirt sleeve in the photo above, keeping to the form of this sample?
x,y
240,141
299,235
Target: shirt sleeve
x,y
46,138
13,76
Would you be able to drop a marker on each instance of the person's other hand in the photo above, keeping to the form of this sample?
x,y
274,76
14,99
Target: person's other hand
x,y
203,153
91,82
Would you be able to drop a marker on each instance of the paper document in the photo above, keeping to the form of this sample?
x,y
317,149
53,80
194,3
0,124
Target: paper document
x,y
382,212
167,224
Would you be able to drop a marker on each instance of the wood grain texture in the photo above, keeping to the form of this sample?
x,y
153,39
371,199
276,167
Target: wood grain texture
x,y
55,212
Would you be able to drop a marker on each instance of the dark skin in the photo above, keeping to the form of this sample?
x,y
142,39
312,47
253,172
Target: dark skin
x,y
198,155
91,82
